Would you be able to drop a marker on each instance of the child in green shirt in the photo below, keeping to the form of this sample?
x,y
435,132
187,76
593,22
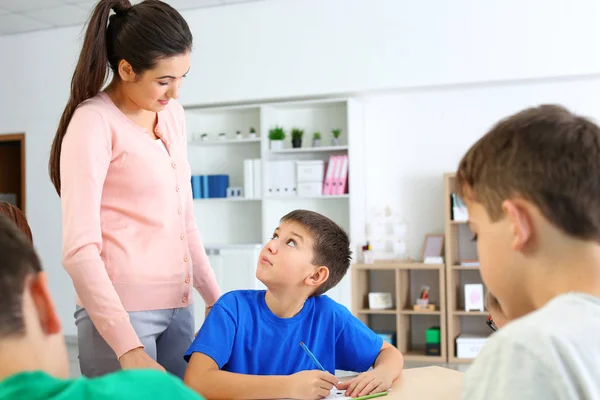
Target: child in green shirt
x,y
33,357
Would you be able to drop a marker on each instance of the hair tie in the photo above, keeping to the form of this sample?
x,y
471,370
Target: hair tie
x,y
122,7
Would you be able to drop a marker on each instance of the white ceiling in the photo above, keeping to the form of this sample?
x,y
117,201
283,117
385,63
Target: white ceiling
x,y
17,16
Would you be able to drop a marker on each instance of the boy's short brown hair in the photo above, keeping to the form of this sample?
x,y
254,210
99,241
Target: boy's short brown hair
x,y
331,245
546,155
18,260
18,217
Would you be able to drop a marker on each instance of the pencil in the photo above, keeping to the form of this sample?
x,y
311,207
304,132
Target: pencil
x,y
370,396
312,357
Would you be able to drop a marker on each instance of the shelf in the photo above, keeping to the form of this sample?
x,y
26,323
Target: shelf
x,y
469,268
332,197
413,312
419,356
456,360
201,143
391,265
384,312
470,313
310,150
233,246
225,200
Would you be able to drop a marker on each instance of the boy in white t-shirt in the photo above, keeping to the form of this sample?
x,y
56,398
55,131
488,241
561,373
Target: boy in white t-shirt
x,y
532,188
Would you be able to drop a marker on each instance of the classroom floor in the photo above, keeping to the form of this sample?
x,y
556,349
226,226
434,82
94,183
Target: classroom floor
x,y
74,362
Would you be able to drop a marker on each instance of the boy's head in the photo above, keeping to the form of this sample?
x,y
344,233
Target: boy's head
x,y
30,330
532,187
307,251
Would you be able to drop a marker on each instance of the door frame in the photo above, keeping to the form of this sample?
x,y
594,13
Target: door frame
x,y
18,137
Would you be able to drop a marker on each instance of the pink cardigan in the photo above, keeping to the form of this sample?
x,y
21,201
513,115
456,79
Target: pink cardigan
x,y
130,240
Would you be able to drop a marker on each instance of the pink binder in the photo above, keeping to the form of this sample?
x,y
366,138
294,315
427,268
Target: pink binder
x,y
342,175
328,185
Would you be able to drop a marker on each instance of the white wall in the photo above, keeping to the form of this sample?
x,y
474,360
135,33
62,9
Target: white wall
x,y
415,137
283,48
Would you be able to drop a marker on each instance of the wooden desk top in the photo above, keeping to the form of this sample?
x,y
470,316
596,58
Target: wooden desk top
x,y
427,383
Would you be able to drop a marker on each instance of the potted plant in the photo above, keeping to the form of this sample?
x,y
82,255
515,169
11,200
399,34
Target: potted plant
x,y
222,136
204,136
238,134
316,139
276,136
336,137
252,133
297,138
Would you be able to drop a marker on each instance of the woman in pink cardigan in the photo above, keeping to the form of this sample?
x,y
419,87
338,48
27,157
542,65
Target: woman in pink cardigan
x,y
119,164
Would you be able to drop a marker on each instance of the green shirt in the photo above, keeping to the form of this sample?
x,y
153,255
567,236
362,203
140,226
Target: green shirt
x,y
129,384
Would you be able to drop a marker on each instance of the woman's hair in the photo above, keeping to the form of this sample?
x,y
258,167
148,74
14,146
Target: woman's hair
x,y
18,217
141,34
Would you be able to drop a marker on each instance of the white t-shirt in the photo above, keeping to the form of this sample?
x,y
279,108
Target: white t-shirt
x,y
552,353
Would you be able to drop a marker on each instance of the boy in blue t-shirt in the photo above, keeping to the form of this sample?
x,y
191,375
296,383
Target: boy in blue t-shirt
x,y
249,346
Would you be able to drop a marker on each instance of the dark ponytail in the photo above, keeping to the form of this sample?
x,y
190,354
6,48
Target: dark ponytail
x,y
140,34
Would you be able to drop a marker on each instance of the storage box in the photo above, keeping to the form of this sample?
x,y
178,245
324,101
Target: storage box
x,y
310,171
380,301
310,189
468,346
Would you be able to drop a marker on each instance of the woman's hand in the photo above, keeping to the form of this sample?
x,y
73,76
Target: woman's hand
x,y
139,359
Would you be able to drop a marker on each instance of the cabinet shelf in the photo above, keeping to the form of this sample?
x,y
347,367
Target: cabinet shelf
x,y
399,265
413,312
418,355
328,197
383,312
225,200
310,150
207,143
470,313
467,268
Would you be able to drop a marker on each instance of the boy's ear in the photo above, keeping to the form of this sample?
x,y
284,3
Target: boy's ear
x,y
318,277
521,223
48,318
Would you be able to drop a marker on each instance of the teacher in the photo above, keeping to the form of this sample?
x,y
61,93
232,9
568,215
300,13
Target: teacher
x,y
119,164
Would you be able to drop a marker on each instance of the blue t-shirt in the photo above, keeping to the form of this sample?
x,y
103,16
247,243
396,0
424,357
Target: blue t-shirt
x,y
242,335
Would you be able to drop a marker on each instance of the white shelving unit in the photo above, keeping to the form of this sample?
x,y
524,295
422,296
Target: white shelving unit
x,y
234,231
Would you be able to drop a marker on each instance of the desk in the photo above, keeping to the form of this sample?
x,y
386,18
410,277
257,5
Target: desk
x,y
427,383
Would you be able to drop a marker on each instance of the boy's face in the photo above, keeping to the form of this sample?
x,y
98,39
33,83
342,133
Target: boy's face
x,y
501,266
286,260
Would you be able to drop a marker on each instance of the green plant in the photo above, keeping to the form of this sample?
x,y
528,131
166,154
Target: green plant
x,y
317,136
276,133
297,133
336,133
252,130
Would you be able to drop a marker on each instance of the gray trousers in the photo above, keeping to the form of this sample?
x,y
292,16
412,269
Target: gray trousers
x,y
165,334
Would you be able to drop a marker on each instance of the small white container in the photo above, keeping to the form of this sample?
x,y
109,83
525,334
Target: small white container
x,y
468,346
310,189
310,171
276,144
380,300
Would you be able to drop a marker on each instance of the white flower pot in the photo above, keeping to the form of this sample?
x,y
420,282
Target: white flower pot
x,y
276,144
